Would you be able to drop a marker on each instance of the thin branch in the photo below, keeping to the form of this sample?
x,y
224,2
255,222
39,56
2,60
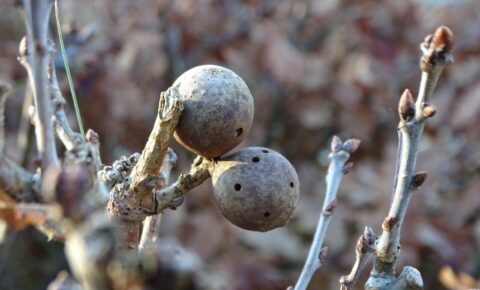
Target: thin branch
x,y
170,196
17,182
364,249
69,138
337,169
169,111
151,225
34,57
5,90
436,55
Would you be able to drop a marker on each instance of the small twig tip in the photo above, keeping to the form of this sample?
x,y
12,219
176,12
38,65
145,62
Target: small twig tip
x,y
351,145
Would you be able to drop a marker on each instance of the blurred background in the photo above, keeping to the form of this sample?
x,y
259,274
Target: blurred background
x,y
316,69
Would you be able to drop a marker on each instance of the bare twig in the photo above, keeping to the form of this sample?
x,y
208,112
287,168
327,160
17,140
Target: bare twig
x,y
4,92
436,55
69,138
25,131
34,56
338,167
151,225
171,196
363,250
17,182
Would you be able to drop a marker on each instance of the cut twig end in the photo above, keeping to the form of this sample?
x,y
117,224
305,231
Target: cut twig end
x,y
406,106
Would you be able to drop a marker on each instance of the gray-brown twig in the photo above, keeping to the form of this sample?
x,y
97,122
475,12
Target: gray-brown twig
x,y
17,182
69,138
337,169
34,56
169,196
413,115
151,225
364,248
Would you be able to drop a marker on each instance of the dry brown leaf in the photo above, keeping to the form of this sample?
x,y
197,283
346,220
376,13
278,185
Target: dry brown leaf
x,y
19,216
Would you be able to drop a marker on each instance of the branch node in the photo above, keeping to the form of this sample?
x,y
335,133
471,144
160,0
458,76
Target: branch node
x,y
328,211
388,223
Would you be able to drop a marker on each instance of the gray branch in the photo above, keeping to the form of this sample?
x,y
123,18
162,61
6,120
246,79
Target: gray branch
x,y
69,138
436,55
365,247
151,224
34,56
338,167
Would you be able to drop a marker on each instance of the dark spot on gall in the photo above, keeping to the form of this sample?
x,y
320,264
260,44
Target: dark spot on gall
x,y
291,184
238,132
255,159
266,214
237,186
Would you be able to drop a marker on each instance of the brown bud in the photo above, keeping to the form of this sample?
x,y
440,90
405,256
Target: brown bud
x,y
92,136
388,223
406,106
336,144
347,168
418,179
328,211
429,111
351,145
443,39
